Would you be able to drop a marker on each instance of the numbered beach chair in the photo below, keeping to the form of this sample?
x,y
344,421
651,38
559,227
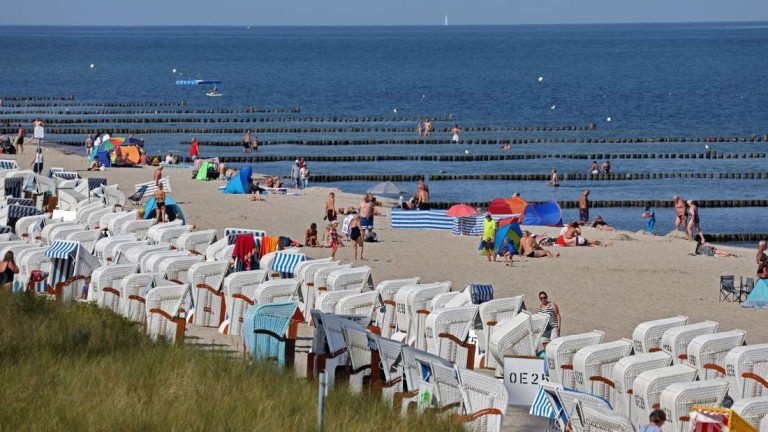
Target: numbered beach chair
x,y
205,279
675,340
560,354
105,285
165,312
385,316
677,399
517,336
623,376
707,352
490,314
742,363
649,385
752,411
133,293
598,360
412,305
446,332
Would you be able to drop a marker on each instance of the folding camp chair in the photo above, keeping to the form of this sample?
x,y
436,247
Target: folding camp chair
x,y
728,290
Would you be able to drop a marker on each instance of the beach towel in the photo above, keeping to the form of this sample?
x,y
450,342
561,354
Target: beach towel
x,y
244,253
758,298
268,245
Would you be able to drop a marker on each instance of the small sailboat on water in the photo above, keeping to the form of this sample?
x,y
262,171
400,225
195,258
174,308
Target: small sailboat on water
x,y
445,20
214,92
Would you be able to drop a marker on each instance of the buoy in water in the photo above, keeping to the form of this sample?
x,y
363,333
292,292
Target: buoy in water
x,y
466,151
93,65
608,119
173,70
395,110
541,78
552,107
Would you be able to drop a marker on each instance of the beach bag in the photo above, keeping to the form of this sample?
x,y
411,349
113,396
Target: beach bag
x,y
371,237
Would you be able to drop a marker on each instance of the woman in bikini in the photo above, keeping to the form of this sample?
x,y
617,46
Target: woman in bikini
x,y
356,234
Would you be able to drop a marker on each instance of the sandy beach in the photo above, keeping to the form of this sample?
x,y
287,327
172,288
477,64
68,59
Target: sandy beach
x,y
641,277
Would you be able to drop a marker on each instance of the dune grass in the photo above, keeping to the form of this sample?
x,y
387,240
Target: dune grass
x,y
78,367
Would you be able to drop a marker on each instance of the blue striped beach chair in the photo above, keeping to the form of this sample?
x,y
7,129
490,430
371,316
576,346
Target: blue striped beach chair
x,y
71,267
54,170
267,332
20,201
231,234
65,175
8,164
285,263
14,186
16,212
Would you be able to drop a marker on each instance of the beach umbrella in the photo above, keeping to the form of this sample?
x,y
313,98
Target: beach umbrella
x,y
387,188
106,146
461,210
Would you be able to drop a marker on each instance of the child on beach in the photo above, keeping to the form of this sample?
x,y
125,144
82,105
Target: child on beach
x,y
649,213
333,236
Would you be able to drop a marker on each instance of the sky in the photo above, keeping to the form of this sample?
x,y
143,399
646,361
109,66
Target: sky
x,y
374,12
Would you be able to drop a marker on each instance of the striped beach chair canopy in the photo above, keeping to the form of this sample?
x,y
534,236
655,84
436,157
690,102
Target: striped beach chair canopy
x,y
65,175
8,164
54,170
14,186
20,201
69,259
541,407
16,212
285,263
95,182
231,234
480,293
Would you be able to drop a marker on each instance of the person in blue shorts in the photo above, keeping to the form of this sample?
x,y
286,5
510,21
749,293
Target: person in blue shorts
x,y
650,213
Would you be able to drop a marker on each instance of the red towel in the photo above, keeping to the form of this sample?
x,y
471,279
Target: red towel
x,y
244,246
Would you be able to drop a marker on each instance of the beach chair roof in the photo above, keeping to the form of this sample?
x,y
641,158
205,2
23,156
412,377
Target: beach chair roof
x,y
63,249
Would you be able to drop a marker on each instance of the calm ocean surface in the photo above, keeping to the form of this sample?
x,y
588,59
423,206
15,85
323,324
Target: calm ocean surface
x,y
651,80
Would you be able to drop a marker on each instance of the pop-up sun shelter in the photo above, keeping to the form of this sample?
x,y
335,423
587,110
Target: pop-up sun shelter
x,y
241,183
544,214
508,229
171,209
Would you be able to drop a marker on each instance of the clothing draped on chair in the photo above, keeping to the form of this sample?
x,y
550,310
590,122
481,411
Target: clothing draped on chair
x,y
245,253
268,245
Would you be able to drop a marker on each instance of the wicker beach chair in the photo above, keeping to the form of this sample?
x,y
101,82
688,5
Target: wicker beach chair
x,y
484,401
307,292
329,351
354,278
358,304
570,399
230,234
602,420
677,399
133,293
390,363
87,239
133,254
300,272
139,227
164,311
105,285
195,242
110,243
623,376
239,289
105,219
319,286
447,390
418,379
30,260
150,261
446,332
93,219
170,235
275,291
269,332
155,232
560,354
517,336
675,340
212,252
598,361
753,410
205,279
71,269
707,352
265,262
327,302
61,232
648,386
45,233
115,224
490,313
24,224
359,352
385,316
750,360
413,304
84,213
176,269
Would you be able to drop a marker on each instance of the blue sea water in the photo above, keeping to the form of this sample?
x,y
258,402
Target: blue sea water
x,y
651,80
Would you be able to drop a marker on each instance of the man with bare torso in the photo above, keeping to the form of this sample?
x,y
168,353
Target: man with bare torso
x,y
330,207
584,207
531,249
681,217
422,197
366,214
693,221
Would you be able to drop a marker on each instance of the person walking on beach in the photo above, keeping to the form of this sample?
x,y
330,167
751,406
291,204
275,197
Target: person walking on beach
x,y
554,325
247,141
657,419
158,175
455,131
37,164
88,145
296,174
420,126
366,215
693,219
333,237
160,203
194,149
650,213
304,175
20,139
584,207
330,207
489,237
681,217
554,180
606,167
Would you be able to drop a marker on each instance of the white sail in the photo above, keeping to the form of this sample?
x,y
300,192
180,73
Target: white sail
x,y
445,21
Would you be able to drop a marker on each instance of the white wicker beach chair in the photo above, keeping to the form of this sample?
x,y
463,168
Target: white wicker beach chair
x,y
133,291
623,376
205,279
61,233
176,269
490,313
748,359
677,399
319,286
170,235
707,352
154,233
308,291
84,212
441,300
447,390
215,248
150,262
68,200
446,332
675,340
115,225
45,233
327,302
328,346
517,336
33,259
107,218
598,360
86,238
602,420
133,254
570,399
359,353
390,362
647,335
560,352
301,268
105,285
17,249
358,304
754,411
196,242
239,289
413,304
23,225
275,291
354,278
165,312
111,241
113,196
385,316
484,401
139,227
648,386
93,219
418,377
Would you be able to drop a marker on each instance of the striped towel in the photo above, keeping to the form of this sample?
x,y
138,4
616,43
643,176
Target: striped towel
x,y
95,182
285,263
13,186
232,233
16,212
151,187
541,406
421,219
8,164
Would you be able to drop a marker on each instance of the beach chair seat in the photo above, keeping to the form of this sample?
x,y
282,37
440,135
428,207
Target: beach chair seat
x,y
484,401
598,361
412,305
385,316
490,313
648,386
30,260
195,242
753,410
517,336
169,235
361,304
106,247
359,351
327,302
239,289
353,278
602,420
707,352
205,279
176,269
265,262
677,399
647,335
150,262
446,332
675,340
284,263
269,332
329,351
300,271
165,312
623,376
105,285
308,291
419,379
138,195
133,293
747,359
728,291
139,227
87,238
560,352
93,218
275,291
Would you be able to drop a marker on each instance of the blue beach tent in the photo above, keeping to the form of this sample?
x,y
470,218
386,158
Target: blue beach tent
x,y
758,298
544,214
507,229
241,183
171,209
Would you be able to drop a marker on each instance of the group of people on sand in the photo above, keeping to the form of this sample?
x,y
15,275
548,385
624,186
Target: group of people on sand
x,y
357,226
419,200
529,247
687,217
250,142
300,174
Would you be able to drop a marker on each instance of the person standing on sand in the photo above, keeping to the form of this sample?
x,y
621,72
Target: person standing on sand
x,y
88,145
158,175
20,139
693,220
37,164
160,203
330,207
366,215
554,325
356,234
333,236
455,131
194,149
296,174
761,257
304,175
489,237
255,143
650,213
247,141
584,207
681,218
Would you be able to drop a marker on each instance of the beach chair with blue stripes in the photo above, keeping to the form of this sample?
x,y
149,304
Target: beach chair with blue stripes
x,y
205,279
165,312
230,234
282,263
105,285
71,268
152,186
60,174
269,332
447,331
15,212
239,289
9,164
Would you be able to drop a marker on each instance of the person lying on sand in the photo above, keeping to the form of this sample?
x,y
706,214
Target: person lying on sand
x,y
530,248
572,237
600,224
707,249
